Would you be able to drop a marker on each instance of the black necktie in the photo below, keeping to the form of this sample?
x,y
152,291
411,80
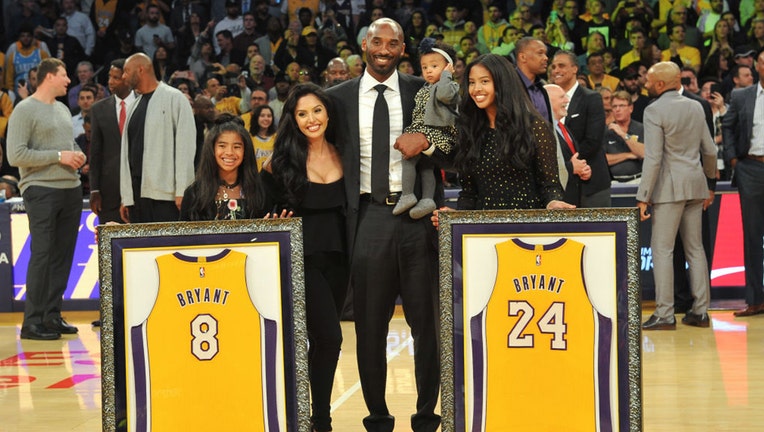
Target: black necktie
x,y
380,147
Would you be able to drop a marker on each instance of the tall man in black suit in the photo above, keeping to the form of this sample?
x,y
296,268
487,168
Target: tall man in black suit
x,y
743,134
586,123
105,145
106,139
390,255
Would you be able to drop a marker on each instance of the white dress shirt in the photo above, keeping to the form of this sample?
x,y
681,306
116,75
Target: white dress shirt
x,y
367,97
757,130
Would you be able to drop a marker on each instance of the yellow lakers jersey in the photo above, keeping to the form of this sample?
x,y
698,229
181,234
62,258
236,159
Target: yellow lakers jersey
x,y
534,349
203,343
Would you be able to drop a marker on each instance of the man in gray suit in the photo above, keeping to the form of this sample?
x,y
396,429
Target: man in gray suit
x,y
673,183
744,152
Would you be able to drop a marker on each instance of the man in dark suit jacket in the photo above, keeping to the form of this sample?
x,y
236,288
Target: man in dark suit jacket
x,y
106,139
682,293
586,123
746,157
390,255
577,170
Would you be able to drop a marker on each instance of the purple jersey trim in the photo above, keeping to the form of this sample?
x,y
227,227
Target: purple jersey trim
x,y
603,359
139,375
218,256
476,330
271,335
546,247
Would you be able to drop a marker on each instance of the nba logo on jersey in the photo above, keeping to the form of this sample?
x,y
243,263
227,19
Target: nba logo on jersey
x,y
201,272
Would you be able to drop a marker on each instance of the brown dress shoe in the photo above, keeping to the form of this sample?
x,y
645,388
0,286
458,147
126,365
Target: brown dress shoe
x,y
750,310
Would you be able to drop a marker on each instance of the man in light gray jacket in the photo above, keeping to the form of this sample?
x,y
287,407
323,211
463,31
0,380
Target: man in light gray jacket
x,y
158,147
673,182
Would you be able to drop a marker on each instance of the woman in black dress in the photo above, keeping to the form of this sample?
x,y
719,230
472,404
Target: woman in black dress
x,y
305,175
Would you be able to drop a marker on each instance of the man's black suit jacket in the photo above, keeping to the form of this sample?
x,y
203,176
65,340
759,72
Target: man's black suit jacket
x,y
586,123
345,98
709,122
105,146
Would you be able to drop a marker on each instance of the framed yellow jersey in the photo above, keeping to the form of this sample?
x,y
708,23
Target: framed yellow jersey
x,y
204,327
540,320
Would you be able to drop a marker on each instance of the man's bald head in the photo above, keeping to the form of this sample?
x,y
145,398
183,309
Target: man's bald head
x,y
661,77
558,99
139,73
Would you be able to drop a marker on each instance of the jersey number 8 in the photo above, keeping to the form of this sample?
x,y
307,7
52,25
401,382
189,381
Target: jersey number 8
x,y
204,329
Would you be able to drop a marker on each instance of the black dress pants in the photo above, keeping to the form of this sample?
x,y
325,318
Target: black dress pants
x,y
54,219
395,255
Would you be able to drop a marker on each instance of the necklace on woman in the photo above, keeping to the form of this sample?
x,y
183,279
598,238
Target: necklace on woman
x,y
226,187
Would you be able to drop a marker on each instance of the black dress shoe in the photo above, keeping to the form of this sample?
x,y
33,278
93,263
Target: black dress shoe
x,y
39,332
655,323
697,320
61,326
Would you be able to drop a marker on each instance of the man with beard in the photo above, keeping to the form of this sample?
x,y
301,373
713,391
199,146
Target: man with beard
x,y
22,56
675,185
390,255
153,34
159,137
708,20
632,83
532,60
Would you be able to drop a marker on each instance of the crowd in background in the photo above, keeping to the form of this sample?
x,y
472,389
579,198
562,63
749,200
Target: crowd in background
x,y
239,54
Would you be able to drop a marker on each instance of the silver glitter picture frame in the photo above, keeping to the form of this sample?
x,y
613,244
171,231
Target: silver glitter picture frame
x,y
283,237
468,260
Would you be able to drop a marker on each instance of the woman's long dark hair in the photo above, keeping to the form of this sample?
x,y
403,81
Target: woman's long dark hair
x,y
207,182
290,150
514,118
254,126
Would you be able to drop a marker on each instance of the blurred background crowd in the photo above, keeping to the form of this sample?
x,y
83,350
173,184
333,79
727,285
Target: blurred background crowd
x,y
243,56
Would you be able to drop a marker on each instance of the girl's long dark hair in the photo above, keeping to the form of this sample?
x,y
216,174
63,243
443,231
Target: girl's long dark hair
x,y
207,182
254,126
290,150
514,118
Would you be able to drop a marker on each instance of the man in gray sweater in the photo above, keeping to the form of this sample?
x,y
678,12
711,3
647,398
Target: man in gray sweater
x,y
40,143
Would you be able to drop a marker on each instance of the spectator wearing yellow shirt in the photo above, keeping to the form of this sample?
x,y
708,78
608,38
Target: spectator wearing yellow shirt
x,y
680,53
